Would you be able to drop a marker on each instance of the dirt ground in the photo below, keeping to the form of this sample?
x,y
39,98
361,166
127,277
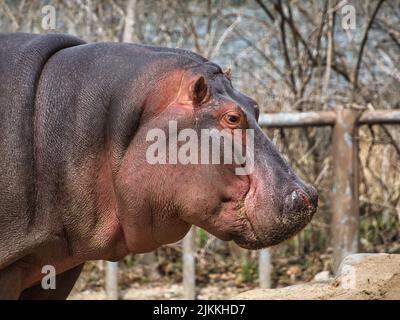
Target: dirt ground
x,y
161,292
361,277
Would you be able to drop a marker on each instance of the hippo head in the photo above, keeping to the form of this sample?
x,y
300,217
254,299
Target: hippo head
x,y
262,207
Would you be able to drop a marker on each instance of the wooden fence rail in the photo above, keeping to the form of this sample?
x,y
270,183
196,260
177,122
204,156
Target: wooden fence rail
x,y
325,118
345,203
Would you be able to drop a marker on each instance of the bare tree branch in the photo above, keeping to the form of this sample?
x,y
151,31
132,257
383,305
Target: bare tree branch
x,y
363,42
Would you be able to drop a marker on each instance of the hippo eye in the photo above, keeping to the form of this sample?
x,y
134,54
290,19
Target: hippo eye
x,y
232,119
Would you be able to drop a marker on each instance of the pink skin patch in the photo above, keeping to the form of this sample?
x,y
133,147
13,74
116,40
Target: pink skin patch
x,y
305,199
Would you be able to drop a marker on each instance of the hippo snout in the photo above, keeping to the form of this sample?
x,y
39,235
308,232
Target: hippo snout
x,y
300,200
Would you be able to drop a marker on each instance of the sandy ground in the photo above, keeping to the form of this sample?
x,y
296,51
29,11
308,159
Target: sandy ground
x,y
361,277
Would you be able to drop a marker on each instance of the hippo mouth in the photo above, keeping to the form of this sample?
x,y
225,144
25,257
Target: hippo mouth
x,y
277,225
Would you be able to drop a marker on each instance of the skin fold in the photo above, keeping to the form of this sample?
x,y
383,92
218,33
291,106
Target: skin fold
x,y
75,183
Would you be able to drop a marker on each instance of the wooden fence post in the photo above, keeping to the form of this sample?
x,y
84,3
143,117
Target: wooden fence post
x,y
264,268
112,280
345,202
189,268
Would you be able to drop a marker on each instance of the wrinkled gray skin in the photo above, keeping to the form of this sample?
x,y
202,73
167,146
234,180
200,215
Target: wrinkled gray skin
x,y
74,181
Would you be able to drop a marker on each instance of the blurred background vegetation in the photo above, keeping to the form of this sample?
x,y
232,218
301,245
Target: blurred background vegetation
x,y
290,56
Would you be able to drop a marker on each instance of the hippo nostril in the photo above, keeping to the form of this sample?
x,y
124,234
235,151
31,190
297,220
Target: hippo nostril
x,y
300,200
313,196
293,202
306,199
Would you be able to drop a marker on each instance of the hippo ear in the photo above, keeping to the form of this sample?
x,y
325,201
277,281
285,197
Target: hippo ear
x,y
228,73
199,90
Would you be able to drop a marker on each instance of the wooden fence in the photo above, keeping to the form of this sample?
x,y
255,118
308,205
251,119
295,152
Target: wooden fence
x,y
345,210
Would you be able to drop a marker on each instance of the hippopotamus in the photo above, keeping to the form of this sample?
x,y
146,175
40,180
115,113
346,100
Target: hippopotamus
x,y
74,181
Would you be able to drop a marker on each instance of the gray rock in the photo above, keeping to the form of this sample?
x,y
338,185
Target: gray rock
x,y
323,276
